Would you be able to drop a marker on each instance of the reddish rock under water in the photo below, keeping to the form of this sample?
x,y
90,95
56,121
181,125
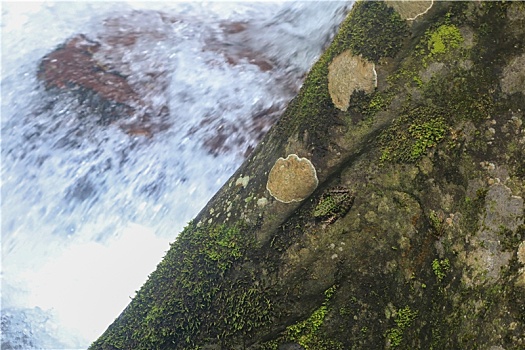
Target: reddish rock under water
x,y
73,65
98,71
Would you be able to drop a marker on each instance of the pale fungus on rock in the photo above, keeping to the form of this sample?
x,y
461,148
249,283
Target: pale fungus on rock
x,y
348,73
292,179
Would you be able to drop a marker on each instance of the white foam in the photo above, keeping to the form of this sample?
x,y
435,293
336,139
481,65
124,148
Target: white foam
x,y
87,211
85,284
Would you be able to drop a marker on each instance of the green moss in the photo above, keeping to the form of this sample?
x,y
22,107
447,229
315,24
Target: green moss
x,y
440,268
445,38
437,223
412,134
361,34
441,39
185,299
403,319
426,135
304,332
307,332
313,106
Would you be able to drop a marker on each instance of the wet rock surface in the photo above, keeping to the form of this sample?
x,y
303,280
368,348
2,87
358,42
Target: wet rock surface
x,y
429,251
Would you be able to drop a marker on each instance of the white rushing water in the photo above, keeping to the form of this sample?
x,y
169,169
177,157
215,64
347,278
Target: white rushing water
x,y
88,210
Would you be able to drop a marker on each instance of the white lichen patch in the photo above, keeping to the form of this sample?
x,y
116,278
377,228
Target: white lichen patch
x,y
348,73
261,202
409,9
292,179
242,181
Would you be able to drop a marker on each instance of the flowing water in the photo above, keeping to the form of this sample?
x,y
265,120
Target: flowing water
x,y
88,209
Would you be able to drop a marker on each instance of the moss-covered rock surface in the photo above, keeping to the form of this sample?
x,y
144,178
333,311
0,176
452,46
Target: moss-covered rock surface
x,y
413,237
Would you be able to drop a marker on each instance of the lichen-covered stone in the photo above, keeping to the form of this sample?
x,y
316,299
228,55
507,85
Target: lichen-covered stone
x,y
348,73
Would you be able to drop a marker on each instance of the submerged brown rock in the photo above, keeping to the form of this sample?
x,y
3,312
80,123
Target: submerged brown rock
x,y
100,70
73,65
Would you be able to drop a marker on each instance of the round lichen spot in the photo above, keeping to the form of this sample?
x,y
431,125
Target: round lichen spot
x,y
292,179
242,181
261,202
348,73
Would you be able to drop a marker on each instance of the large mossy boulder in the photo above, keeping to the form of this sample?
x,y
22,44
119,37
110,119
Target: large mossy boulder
x,y
413,235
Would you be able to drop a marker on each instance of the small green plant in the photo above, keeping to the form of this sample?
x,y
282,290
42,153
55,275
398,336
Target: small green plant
x,y
395,337
417,79
440,268
379,102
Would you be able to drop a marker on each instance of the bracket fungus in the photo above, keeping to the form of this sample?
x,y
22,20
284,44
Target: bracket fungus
x,y
348,73
292,179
